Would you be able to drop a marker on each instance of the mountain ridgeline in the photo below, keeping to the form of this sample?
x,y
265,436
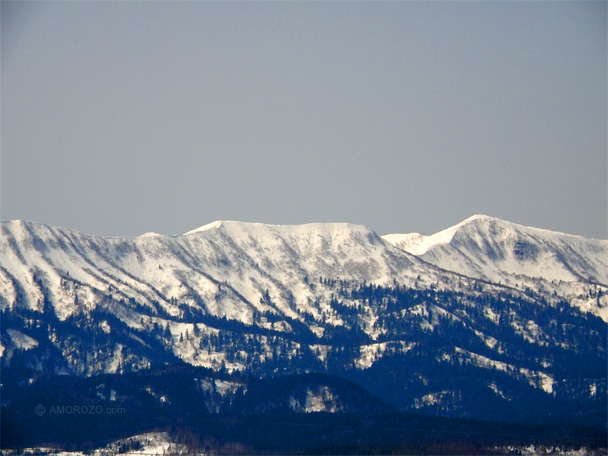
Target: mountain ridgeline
x,y
487,320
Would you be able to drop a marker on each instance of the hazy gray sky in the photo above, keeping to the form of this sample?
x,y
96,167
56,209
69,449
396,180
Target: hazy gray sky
x,y
125,117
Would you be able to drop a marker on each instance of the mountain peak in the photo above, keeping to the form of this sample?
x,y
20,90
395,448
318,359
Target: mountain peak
x,y
476,226
254,229
500,251
209,226
480,218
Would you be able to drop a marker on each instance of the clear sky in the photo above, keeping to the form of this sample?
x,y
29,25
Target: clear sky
x,y
120,118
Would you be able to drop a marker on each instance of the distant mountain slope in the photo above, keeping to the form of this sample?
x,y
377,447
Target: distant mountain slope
x,y
269,300
228,269
502,252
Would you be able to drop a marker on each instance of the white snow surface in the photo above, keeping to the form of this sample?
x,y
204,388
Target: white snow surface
x,y
229,269
370,353
321,399
147,444
498,251
489,247
223,267
22,341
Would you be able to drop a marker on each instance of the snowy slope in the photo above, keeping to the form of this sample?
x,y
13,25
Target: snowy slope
x,y
235,269
224,268
270,299
502,252
264,276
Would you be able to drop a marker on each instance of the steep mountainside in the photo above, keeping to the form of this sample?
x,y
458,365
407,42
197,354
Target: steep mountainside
x,y
491,249
224,268
273,278
266,302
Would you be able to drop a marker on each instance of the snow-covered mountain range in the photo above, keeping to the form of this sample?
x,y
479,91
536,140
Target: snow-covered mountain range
x,y
482,319
498,251
493,249
227,267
